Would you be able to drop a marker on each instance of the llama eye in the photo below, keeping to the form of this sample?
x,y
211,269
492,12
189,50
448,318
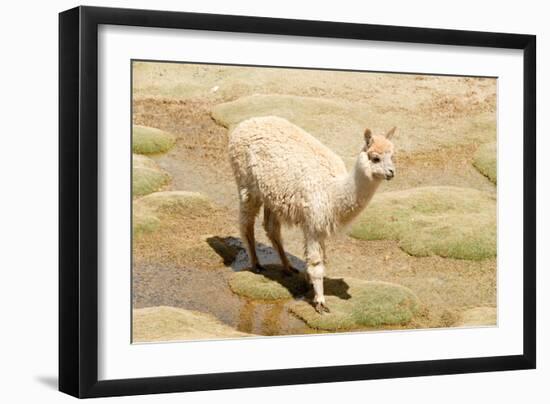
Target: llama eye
x,y
376,159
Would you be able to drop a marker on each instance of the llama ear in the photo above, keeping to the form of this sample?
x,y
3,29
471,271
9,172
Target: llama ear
x,y
390,133
368,137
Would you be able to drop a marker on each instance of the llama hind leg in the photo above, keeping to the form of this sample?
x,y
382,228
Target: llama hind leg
x,y
272,227
316,272
248,210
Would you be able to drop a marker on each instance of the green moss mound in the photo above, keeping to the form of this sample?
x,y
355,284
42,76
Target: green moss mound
x,y
144,222
155,324
271,284
485,160
147,176
368,304
446,221
149,210
146,140
320,117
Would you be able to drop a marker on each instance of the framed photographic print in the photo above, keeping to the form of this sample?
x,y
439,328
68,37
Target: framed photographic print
x,y
251,201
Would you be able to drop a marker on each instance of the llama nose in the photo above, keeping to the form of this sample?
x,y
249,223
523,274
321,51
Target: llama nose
x,y
391,174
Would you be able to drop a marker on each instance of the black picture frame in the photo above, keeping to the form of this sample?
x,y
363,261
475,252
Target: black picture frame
x,y
78,201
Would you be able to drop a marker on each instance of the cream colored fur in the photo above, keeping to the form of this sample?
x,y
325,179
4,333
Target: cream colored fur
x,y
300,182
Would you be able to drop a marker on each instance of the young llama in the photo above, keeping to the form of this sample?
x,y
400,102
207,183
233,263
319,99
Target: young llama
x,y
302,182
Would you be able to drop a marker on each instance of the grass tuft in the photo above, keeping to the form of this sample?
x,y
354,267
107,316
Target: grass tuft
x,y
485,160
271,284
367,304
149,210
146,140
144,221
449,222
147,176
155,324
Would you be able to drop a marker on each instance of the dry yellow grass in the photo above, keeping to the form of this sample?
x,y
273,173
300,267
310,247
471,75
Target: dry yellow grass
x,y
322,118
157,324
430,111
478,316
444,95
340,124
180,222
485,160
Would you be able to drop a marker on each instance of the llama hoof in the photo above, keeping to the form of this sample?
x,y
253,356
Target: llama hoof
x,y
321,308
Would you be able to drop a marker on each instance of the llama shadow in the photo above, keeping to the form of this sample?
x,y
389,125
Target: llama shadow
x,y
234,255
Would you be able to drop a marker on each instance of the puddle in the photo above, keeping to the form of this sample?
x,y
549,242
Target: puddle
x,y
208,291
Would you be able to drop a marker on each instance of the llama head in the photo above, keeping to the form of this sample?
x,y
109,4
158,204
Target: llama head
x,y
376,157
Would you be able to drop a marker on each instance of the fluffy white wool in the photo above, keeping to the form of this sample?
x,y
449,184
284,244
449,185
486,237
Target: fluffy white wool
x,y
297,177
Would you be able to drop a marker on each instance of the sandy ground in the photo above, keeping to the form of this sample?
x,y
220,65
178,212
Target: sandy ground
x,y
441,122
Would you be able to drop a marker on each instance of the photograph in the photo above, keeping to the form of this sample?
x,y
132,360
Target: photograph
x,y
271,201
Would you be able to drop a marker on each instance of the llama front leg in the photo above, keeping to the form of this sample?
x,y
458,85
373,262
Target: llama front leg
x,y
316,272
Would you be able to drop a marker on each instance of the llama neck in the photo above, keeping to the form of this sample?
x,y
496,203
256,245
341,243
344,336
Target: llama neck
x,y
353,192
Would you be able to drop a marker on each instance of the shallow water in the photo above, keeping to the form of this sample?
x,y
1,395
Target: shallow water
x,y
208,291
